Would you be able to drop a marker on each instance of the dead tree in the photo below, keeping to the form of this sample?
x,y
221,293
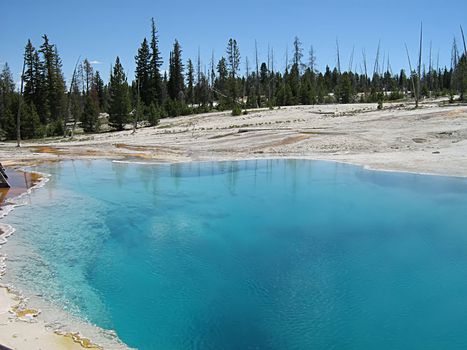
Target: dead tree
x,y
247,68
463,40
269,75
383,67
258,93
388,66
376,66
70,91
338,57
75,119
271,82
312,59
430,69
366,72
454,54
437,62
351,59
198,69
213,78
412,75
419,66
137,109
18,114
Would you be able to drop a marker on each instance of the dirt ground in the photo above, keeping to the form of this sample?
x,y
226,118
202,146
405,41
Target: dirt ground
x,y
431,139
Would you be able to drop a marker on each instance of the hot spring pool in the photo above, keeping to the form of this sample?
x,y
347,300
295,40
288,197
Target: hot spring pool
x,y
267,254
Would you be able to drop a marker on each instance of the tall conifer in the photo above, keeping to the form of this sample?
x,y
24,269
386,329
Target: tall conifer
x,y
119,106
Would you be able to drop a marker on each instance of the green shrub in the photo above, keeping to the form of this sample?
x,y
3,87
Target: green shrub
x,y
380,100
396,95
236,110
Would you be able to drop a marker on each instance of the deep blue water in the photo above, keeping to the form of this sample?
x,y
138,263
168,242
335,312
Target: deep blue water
x,y
273,254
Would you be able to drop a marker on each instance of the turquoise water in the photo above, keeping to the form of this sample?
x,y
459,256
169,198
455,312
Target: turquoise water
x,y
273,254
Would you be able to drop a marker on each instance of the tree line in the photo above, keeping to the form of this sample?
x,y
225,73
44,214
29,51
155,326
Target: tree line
x,y
46,106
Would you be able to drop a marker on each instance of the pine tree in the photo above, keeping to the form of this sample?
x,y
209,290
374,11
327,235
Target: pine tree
x,y
76,102
30,122
156,83
344,90
35,90
54,83
138,112
7,104
233,59
202,90
264,77
60,88
30,73
460,76
190,82
101,92
402,81
142,73
90,111
223,74
119,106
298,53
89,120
7,84
176,81
154,115
88,76
41,97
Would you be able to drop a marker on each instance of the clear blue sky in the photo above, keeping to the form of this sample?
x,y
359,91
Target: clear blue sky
x,y
102,29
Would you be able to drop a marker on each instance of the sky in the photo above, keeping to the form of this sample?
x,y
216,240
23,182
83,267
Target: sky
x,y
100,30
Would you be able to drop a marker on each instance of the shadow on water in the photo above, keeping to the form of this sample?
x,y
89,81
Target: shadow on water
x,y
20,182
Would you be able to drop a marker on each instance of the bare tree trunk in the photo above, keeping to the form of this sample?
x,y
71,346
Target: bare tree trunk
x,y
419,66
269,77
213,79
376,66
75,121
272,71
258,93
366,73
198,69
411,73
437,62
247,67
351,59
18,115
70,91
338,57
463,40
383,67
286,68
430,70
388,66
135,122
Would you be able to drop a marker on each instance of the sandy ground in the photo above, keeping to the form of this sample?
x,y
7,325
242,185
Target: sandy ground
x,y
22,328
27,333
431,139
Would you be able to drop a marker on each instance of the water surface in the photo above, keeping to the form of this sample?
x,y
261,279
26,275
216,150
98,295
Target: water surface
x,y
272,254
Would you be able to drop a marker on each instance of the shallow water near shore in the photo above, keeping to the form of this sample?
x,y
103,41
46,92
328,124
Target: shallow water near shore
x,y
267,254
